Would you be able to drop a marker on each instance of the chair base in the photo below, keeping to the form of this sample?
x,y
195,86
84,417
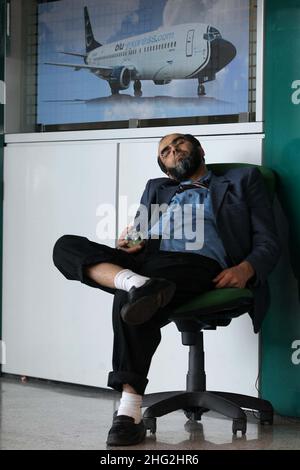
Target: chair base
x,y
194,404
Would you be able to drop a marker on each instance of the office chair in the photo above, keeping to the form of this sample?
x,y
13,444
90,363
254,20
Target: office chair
x,y
208,311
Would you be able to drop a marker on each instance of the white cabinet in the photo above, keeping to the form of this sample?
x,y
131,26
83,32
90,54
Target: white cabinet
x,y
61,330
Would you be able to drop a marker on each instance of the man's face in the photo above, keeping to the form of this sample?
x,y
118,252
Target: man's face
x,y
180,156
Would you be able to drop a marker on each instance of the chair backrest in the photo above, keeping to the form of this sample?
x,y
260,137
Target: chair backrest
x,y
268,175
217,307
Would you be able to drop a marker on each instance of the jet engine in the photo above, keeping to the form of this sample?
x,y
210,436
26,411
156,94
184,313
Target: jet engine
x,y
120,78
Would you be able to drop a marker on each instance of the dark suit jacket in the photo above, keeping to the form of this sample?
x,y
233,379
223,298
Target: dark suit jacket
x,y
245,222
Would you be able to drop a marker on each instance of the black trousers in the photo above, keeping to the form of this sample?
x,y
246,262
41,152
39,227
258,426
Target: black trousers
x,y
134,345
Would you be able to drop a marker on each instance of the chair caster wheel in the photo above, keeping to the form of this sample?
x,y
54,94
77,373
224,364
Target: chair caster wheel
x,y
239,425
195,414
150,423
266,417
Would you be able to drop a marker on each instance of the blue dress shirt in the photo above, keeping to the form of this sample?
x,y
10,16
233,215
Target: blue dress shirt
x,y
189,224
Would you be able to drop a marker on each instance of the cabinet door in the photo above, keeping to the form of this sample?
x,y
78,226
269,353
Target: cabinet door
x,y
236,346
55,328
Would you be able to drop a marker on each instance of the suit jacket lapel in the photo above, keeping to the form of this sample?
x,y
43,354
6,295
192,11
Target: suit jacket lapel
x,y
218,188
166,191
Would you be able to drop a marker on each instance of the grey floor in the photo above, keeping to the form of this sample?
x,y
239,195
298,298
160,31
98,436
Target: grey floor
x,y
41,415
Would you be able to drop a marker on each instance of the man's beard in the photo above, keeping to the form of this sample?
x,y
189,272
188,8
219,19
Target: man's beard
x,y
186,167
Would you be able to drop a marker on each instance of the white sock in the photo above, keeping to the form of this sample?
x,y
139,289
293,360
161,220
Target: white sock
x,y
130,405
127,279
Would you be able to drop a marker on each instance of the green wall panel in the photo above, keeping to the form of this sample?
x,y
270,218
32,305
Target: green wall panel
x,y
280,371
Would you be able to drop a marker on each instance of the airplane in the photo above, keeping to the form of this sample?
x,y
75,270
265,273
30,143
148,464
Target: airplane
x,y
184,51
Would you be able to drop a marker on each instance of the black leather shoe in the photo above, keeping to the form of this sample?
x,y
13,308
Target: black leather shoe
x,y
144,301
124,432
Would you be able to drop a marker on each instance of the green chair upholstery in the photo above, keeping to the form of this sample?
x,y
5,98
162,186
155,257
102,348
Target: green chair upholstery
x,y
210,310
267,174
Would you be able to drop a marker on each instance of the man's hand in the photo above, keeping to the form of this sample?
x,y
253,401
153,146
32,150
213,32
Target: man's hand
x,y
237,276
122,243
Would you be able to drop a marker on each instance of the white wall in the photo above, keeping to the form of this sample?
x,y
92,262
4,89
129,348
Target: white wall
x,y
61,330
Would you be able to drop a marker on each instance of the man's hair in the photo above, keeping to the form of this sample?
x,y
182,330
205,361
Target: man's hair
x,y
189,138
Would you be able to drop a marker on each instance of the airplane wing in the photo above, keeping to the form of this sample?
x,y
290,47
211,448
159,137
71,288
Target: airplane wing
x,y
103,70
76,54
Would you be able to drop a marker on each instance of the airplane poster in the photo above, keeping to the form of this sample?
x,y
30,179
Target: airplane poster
x,y
118,60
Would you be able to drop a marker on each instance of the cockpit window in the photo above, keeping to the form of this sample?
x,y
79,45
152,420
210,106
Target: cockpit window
x,y
212,34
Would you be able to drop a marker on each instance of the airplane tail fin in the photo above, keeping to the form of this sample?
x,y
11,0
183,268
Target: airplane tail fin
x,y
90,42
